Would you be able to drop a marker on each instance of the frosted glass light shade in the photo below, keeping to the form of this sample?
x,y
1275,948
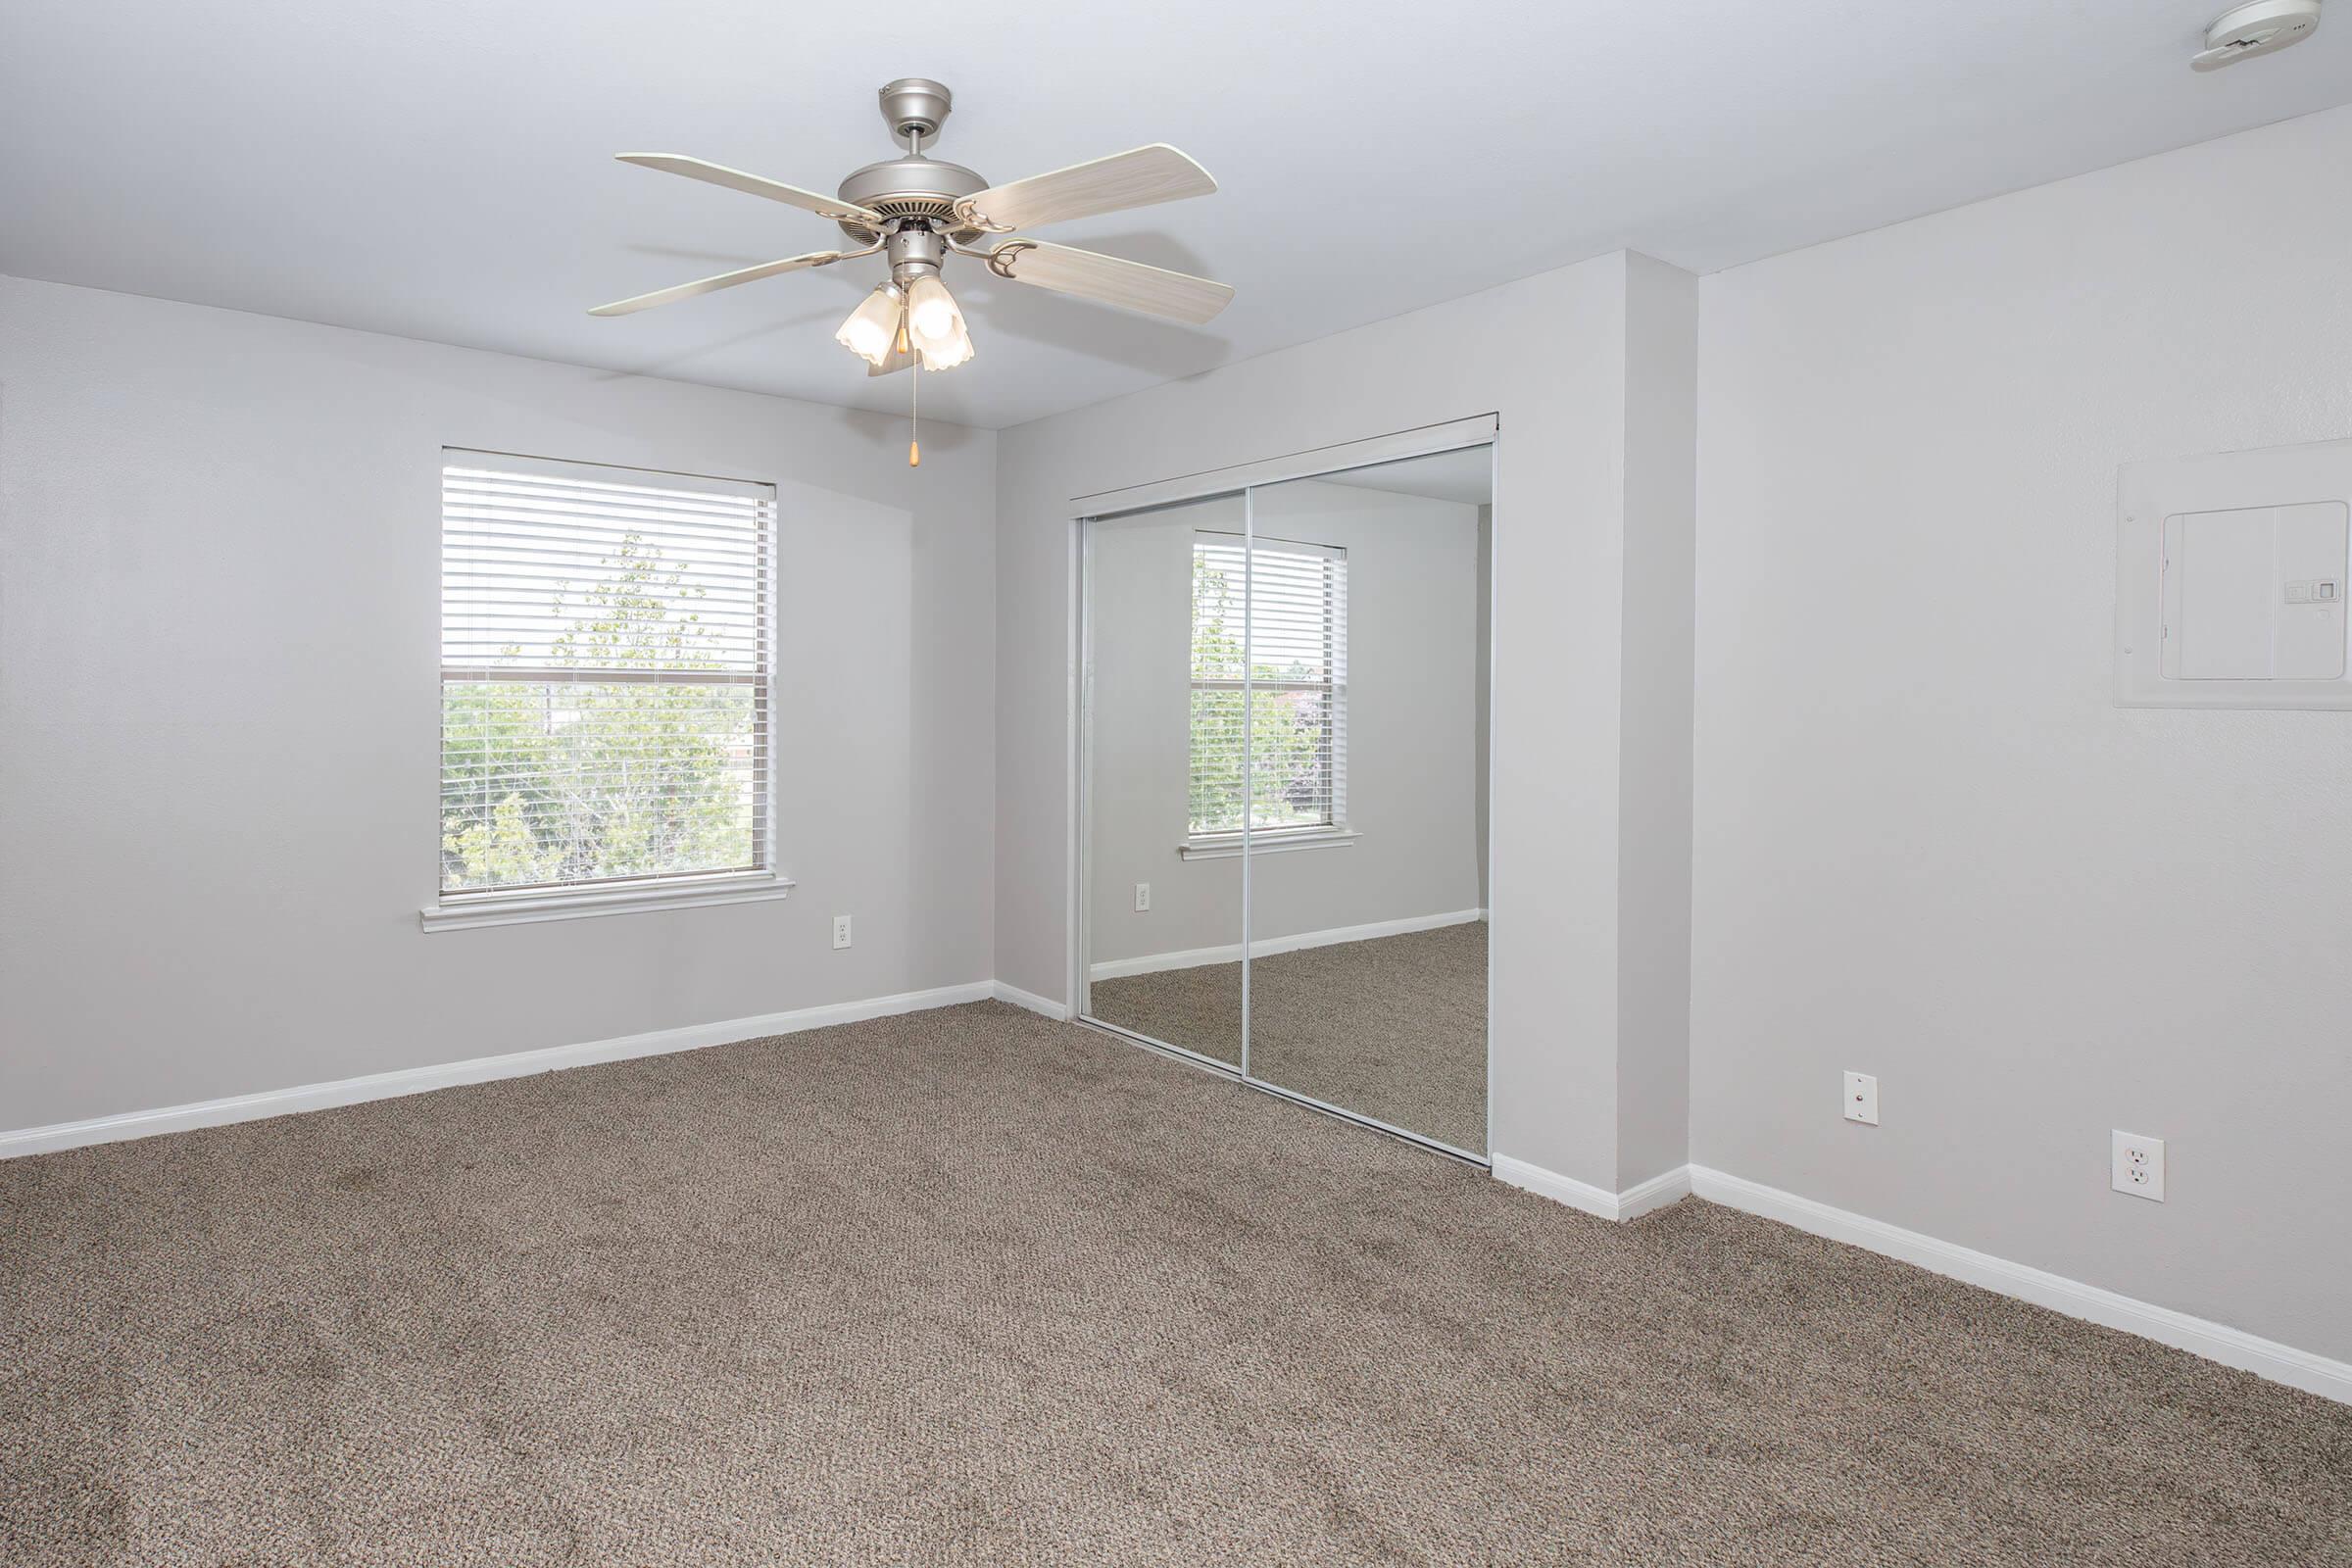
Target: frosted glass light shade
x,y
935,324
874,325
945,355
931,313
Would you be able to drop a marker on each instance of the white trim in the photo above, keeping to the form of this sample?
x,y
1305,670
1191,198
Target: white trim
x,y
1029,1000
1486,757
464,911
477,1069
1079,776
1554,1186
1249,756
1266,841
2215,1341
1231,953
1475,431
1668,1187
543,467
1662,1190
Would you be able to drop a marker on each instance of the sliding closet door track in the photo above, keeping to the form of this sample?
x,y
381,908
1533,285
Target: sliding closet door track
x,y
1226,1070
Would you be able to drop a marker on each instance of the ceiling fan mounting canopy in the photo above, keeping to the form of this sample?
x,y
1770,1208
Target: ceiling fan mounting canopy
x,y
916,106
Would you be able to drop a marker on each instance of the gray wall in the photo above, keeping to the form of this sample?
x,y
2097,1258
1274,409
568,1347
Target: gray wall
x,y
1653,872
1412,725
219,636
1927,845
1548,356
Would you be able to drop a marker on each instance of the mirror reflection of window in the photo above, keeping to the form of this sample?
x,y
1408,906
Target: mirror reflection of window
x,y
1281,606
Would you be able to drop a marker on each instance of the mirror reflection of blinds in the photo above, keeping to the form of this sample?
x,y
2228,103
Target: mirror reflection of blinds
x,y
605,675
1277,614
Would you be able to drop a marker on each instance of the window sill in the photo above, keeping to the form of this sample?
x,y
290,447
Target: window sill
x,y
517,909
1229,845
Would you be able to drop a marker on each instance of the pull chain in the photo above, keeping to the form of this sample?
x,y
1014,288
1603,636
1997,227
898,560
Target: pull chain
x,y
915,404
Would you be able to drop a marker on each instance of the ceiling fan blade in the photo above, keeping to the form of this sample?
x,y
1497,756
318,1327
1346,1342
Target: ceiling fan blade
x,y
1154,290
704,285
1139,178
832,207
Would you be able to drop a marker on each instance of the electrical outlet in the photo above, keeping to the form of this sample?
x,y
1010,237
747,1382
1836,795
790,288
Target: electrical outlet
x,y
2136,1165
840,931
1143,898
1862,1099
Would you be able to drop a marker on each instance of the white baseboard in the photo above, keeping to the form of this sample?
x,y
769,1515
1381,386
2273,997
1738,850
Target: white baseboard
x,y
2215,1341
1665,1189
1029,1000
1554,1186
1264,946
478,1069
1668,1187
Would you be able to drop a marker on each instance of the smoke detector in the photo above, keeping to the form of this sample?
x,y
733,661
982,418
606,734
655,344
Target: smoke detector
x,y
2258,27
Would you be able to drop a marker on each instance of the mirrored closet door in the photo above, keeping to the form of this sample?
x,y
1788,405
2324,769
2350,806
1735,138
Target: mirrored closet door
x,y
1162,721
1367,856
1285,726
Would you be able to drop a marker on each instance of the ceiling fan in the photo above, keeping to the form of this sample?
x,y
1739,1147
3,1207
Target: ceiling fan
x,y
917,210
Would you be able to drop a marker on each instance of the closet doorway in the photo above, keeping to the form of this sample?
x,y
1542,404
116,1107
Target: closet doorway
x,y
1283,721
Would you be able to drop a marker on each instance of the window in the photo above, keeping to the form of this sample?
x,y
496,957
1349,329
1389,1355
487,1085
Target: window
x,y
605,682
1280,611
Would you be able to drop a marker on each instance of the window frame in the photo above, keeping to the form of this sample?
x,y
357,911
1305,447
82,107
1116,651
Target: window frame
x,y
1334,832
465,907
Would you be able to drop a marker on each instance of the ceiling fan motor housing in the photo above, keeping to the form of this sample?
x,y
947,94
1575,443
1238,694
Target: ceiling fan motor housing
x,y
913,187
921,188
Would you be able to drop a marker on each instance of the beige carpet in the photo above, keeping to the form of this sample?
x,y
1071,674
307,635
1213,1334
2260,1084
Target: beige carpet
x,y
971,1287
1394,1029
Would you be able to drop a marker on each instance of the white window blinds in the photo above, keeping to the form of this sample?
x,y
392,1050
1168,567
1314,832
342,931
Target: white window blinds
x,y
604,669
1276,614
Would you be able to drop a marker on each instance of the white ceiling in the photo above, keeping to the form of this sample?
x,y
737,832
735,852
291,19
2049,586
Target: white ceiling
x,y
442,168
1466,476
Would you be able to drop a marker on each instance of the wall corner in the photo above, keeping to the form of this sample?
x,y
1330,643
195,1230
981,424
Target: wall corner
x,y
1654,720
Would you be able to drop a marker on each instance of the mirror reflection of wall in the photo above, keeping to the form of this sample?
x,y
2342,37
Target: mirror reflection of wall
x,y
1367,930
1165,931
